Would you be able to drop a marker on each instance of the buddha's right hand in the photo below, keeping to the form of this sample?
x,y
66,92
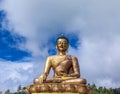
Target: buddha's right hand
x,y
42,78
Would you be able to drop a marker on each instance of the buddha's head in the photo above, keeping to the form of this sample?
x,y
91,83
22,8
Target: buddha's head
x,y
62,44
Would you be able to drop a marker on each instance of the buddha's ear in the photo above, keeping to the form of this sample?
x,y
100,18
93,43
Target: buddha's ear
x,y
67,46
56,47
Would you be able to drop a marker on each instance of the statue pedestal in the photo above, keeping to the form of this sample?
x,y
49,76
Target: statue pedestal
x,y
58,88
57,93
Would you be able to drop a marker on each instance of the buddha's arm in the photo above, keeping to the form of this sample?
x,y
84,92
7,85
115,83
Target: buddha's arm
x,y
76,70
47,66
46,70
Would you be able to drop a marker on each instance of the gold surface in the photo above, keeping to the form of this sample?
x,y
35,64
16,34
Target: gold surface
x,y
65,67
66,74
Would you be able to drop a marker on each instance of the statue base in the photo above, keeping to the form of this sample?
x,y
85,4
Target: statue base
x,y
58,88
55,93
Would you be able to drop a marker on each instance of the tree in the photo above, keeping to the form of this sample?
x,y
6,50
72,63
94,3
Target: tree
x,y
0,92
19,88
7,91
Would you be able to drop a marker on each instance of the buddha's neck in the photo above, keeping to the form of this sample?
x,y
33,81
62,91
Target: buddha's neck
x,y
62,53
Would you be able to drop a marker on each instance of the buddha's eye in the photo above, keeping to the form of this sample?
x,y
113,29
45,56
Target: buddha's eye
x,y
59,43
64,43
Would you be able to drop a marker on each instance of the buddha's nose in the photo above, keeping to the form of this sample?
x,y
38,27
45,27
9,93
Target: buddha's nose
x,y
61,44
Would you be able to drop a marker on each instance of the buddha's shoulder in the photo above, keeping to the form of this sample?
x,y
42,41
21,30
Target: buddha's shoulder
x,y
74,57
52,57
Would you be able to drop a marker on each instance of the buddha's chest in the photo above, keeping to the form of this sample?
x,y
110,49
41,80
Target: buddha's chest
x,y
58,61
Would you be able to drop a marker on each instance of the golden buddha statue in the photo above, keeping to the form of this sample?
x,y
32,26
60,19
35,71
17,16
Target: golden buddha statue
x,y
66,67
66,74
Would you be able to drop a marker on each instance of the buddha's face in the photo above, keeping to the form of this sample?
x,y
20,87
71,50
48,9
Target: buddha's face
x,y
62,45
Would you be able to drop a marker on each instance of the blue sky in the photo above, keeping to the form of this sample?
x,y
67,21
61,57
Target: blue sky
x,y
8,42
28,30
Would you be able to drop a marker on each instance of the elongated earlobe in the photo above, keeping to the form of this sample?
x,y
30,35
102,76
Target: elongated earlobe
x,y
56,47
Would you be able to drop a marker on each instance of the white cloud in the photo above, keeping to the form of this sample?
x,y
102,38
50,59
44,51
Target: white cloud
x,y
13,74
99,52
107,82
39,20
100,58
95,22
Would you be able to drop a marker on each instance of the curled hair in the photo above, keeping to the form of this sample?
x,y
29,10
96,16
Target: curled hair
x,y
62,37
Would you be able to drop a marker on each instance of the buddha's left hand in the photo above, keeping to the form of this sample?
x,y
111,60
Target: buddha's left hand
x,y
64,74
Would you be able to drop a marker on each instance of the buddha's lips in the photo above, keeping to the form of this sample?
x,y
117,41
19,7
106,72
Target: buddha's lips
x,y
61,46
